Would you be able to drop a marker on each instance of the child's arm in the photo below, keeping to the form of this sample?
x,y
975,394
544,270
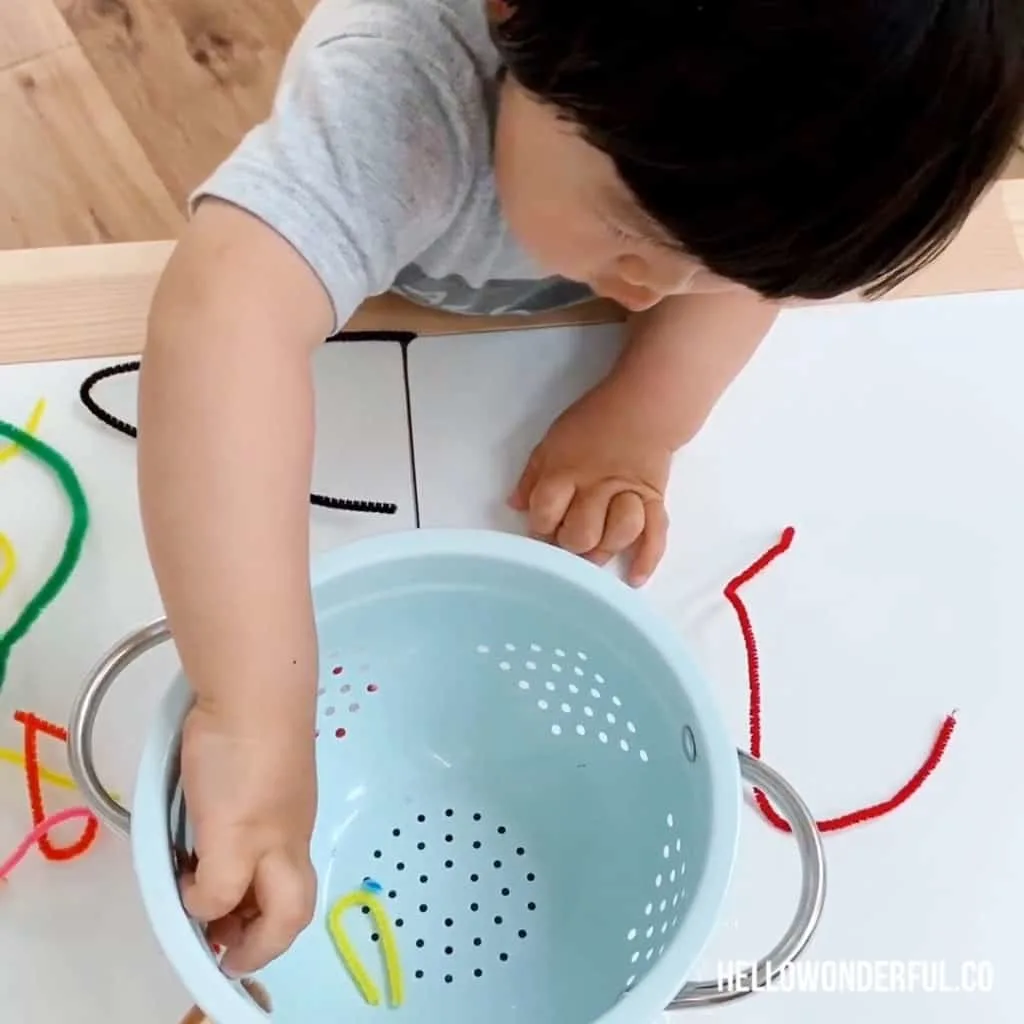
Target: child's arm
x,y
596,483
685,352
225,457
225,452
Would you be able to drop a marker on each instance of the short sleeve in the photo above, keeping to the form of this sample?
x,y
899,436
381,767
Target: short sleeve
x,y
360,166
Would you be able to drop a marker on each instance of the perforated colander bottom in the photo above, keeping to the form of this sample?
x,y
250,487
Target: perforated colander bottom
x,y
462,890
485,918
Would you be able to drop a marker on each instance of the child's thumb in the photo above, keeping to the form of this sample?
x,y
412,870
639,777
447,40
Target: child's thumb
x,y
218,886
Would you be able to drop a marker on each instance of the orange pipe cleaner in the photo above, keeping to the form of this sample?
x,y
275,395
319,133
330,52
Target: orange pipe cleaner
x,y
843,821
33,726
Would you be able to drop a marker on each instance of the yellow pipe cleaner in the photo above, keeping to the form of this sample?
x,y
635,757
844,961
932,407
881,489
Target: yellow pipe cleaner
x,y
58,779
350,958
46,774
8,451
8,560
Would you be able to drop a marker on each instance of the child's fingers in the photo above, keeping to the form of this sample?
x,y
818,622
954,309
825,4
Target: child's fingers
x,y
624,523
519,499
583,525
286,895
653,542
217,887
226,931
550,500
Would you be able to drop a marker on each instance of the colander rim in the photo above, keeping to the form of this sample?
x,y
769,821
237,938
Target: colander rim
x,y
152,855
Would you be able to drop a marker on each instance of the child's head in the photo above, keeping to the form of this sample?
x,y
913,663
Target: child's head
x,y
801,148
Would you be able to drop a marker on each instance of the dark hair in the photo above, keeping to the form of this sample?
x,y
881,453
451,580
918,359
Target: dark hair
x,y
803,148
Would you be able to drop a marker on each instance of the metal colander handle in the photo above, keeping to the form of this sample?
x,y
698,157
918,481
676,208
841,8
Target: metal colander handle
x,y
808,911
82,722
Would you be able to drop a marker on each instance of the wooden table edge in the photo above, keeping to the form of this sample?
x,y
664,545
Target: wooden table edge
x,y
92,301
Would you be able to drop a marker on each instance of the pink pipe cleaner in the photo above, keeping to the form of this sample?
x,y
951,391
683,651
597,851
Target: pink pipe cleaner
x,y
23,848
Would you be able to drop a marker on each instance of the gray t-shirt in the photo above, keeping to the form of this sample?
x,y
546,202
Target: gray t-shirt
x,y
376,162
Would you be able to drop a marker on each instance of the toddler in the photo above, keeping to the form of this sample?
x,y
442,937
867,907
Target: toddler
x,y
699,162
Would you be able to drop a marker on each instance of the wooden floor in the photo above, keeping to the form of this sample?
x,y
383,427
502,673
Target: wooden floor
x,y
112,111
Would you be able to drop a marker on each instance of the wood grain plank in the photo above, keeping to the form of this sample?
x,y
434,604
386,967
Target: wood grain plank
x,y
29,28
190,77
81,177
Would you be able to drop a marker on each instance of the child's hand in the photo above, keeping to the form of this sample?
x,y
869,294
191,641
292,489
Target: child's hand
x,y
250,792
596,484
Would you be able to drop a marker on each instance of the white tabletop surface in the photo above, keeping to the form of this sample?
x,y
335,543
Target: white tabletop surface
x,y
892,438
74,942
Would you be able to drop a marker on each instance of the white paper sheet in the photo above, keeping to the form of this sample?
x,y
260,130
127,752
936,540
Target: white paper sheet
x,y
892,438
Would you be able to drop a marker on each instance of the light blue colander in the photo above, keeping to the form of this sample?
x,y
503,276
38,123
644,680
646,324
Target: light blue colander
x,y
519,768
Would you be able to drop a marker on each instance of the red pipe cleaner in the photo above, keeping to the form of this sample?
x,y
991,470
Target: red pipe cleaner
x,y
33,726
843,821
